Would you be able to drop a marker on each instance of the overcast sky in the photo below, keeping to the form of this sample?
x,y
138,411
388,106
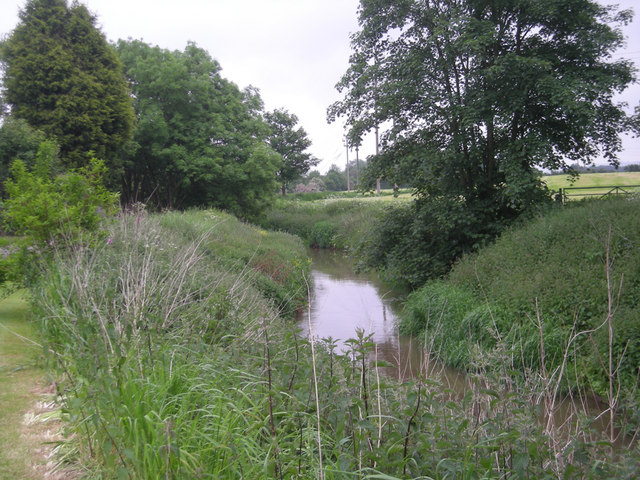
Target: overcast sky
x,y
293,51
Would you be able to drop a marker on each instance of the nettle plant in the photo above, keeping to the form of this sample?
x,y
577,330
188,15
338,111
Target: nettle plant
x,y
45,204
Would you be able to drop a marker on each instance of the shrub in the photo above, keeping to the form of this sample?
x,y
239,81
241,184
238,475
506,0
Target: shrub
x,y
45,206
322,235
412,243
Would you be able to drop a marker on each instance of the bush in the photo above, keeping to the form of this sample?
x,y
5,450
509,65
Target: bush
x,y
412,243
322,235
47,207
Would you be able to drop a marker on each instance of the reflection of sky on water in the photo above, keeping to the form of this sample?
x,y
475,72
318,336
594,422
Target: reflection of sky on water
x,y
342,301
339,306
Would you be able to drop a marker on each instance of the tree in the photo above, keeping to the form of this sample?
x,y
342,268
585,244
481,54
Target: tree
x,y
472,96
17,141
62,77
477,93
200,141
335,180
291,143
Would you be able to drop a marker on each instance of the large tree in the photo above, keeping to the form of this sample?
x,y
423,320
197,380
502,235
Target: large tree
x,y
62,77
200,140
475,94
291,143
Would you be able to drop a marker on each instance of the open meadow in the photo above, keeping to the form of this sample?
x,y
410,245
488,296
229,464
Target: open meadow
x,y
593,184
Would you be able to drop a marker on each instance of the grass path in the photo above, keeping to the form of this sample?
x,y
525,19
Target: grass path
x,y
23,445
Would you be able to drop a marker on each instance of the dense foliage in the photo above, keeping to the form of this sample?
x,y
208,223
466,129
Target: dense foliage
x,y
200,140
47,206
17,141
62,77
473,95
560,274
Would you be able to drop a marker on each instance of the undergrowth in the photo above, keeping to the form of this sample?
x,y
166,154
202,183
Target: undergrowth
x,y
560,274
327,223
177,363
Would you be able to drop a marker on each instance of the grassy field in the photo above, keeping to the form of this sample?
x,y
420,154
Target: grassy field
x,y
590,180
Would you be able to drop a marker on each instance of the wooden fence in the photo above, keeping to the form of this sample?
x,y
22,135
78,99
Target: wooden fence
x,y
564,194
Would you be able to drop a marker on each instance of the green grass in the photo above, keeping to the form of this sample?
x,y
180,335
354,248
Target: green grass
x,y
19,377
277,260
387,194
590,180
329,223
553,268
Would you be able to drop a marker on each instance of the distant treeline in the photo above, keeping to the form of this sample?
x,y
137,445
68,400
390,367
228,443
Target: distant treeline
x,y
632,167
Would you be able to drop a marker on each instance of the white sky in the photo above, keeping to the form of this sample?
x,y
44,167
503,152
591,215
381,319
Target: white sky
x,y
293,51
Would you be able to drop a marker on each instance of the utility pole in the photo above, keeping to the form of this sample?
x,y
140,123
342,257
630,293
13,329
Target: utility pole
x,y
346,142
377,151
357,166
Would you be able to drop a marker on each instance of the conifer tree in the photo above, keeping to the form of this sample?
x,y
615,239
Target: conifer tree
x,y
62,77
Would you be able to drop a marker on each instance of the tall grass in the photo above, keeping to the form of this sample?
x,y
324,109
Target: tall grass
x,y
177,364
556,274
328,223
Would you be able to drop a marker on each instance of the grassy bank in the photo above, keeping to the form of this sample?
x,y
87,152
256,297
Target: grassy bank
x,y
559,292
159,332
177,363
329,223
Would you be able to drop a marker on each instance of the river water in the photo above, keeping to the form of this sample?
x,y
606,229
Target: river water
x,y
343,301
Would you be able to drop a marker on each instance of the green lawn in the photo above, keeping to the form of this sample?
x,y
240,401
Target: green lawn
x,y
590,180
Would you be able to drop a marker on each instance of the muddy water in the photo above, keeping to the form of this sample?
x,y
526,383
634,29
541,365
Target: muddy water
x,y
343,301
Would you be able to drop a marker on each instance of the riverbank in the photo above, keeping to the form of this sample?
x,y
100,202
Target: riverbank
x,y
561,289
180,361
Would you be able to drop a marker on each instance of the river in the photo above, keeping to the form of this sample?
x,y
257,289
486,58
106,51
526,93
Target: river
x,y
343,301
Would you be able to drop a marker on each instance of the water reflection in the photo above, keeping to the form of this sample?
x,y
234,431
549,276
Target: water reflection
x,y
343,301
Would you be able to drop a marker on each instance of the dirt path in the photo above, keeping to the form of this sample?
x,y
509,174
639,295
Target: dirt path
x,y
27,414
